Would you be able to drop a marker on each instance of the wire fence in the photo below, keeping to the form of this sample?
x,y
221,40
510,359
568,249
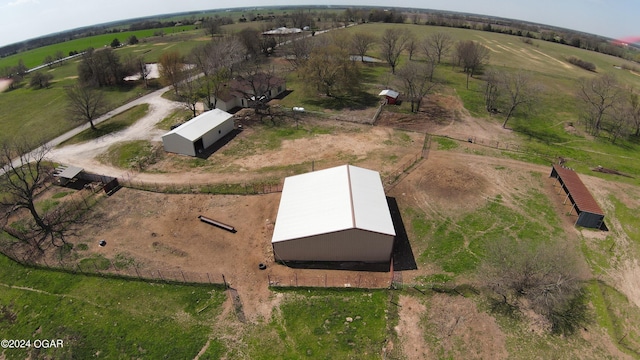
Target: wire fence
x,y
108,268
392,178
364,280
192,188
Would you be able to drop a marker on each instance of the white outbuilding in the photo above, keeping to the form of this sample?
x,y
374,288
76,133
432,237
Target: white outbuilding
x,y
336,214
197,134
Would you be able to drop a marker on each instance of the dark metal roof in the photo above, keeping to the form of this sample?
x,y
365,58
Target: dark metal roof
x,y
578,191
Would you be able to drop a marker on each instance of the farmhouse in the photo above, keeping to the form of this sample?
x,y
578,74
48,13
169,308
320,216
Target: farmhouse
x,y
336,214
589,213
197,134
244,92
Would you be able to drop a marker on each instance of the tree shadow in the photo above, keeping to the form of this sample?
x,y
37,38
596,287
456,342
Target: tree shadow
x,y
357,101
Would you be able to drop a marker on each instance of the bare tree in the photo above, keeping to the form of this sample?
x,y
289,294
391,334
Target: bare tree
x,y
549,277
362,42
394,41
416,82
519,90
85,103
255,83
330,69
439,45
492,91
170,67
298,50
598,95
191,90
24,175
100,68
471,55
634,107
216,61
412,46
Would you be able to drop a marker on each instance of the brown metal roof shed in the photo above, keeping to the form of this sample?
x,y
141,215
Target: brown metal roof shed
x,y
589,212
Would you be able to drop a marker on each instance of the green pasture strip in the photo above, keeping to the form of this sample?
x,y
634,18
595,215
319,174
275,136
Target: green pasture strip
x,y
128,154
323,324
112,317
178,116
457,245
113,124
35,57
616,315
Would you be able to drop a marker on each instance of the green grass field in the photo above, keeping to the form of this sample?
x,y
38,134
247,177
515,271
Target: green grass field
x,y
35,57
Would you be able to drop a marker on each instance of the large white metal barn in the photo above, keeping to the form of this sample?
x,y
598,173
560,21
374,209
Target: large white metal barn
x,y
336,214
197,134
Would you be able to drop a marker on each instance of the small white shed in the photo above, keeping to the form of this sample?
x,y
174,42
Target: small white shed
x,y
336,214
197,134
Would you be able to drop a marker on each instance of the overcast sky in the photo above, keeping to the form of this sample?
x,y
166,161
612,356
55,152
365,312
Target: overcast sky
x,y
25,19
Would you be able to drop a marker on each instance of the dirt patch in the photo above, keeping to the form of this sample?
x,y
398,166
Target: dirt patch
x,y
461,331
409,330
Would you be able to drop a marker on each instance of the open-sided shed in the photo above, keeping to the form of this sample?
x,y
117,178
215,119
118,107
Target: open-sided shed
x,y
197,134
589,212
336,214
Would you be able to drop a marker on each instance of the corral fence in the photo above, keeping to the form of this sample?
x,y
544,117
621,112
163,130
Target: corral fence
x,y
217,189
392,178
113,270
503,145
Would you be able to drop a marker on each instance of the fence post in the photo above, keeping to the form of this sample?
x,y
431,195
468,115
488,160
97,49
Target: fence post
x,y
183,278
159,273
296,277
209,278
224,281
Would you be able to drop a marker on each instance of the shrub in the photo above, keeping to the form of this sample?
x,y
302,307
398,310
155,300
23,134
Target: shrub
x,y
581,63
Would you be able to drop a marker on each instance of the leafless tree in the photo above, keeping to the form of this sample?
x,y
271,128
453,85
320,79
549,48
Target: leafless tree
x,y
416,82
24,175
471,55
598,95
255,82
85,103
171,68
100,68
362,42
519,90
412,46
492,91
298,50
634,107
549,277
394,41
438,44
191,90
330,69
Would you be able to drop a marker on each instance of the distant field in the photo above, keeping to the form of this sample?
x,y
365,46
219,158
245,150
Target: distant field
x,y
35,57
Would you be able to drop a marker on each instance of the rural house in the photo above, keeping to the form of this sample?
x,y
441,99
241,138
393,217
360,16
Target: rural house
x,y
244,92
